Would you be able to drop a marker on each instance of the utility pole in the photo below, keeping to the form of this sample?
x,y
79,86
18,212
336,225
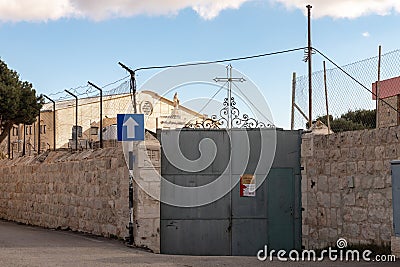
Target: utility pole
x,y
76,118
132,86
229,79
101,112
293,100
131,155
54,121
309,56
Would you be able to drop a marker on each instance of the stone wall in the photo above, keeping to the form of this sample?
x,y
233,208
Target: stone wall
x,y
84,191
346,186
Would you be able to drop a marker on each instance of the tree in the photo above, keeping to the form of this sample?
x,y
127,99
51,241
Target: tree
x,y
352,120
18,101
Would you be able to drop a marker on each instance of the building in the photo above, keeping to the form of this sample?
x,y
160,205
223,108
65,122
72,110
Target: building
x,y
389,91
159,111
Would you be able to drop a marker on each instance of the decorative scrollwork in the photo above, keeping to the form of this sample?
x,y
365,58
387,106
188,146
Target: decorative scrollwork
x,y
205,124
237,121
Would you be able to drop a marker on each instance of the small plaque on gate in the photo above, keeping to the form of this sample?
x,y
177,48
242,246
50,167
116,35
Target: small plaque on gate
x,y
247,185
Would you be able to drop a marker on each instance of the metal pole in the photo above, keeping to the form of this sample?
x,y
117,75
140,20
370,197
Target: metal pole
x,y
23,147
229,75
326,99
101,112
54,121
378,86
293,100
133,85
38,146
9,144
309,68
76,118
131,169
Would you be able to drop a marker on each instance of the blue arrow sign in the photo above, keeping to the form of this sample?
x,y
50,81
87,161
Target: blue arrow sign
x,y
130,127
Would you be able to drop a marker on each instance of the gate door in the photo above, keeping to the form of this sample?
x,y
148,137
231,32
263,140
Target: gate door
x,y
233,224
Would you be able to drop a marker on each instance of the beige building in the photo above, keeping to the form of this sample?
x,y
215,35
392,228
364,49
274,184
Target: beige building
x,y
160,113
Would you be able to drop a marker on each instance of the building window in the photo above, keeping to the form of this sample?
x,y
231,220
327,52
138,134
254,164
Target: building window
x,y
15,131
42,129
28,130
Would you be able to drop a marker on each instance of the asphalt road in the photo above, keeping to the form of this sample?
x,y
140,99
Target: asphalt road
x,y
22,245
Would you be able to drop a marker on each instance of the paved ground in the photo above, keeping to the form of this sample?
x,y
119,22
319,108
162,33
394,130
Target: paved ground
x,y
32,246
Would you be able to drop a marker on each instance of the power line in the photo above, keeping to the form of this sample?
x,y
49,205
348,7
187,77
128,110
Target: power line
x,y
222,60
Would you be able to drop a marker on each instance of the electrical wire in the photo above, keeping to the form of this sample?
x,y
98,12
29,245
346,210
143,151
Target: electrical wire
x,y
221,61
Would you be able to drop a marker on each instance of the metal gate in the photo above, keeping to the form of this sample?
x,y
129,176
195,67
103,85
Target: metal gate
x,y
235,225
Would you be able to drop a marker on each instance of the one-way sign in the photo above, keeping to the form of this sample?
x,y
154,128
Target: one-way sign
x,y
130,127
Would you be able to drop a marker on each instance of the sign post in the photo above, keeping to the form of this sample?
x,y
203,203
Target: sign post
x,y
130,128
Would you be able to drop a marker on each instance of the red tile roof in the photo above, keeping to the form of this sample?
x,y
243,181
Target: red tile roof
x,y
388,88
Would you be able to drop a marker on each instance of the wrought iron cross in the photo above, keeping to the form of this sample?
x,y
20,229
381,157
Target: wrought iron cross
x,y
230,99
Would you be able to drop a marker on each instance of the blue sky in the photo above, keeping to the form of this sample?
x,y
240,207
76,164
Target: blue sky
x,y
61,44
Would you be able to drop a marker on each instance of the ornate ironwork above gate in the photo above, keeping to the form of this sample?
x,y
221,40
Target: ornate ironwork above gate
x,y
237,121
229,115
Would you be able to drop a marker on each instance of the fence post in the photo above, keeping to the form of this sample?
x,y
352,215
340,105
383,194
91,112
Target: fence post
x,y
293,100
76,118
9,143
326,100
309,68
54,121
378,86
101,112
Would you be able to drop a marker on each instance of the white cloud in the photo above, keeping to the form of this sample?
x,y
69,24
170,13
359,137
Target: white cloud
x,y
43,10
366,34
344,8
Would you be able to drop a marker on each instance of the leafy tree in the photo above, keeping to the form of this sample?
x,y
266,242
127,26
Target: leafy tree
x,y
18,101
352,121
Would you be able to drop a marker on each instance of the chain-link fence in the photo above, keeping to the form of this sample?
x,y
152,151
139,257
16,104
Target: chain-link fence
x,y
351,93
40,135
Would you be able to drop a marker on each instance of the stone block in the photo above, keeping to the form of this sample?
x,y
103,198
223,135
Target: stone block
x,y
334,154
391,152
386,231
377,199
362,199
307,146
368,233
322,184
323,199
354,214
335,200
395,245
378,166
378,214
351,230
369,153
351,168
379,152
342,168
345,152
367,182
